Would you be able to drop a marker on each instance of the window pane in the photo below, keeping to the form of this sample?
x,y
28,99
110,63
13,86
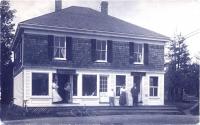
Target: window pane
x,y
56,43
62,43
56,39
98,55
56,52
153,81
40,84
89,85
155,91
103,45
62,52
103,55
140,48
120,80
59,47
103,83
151,91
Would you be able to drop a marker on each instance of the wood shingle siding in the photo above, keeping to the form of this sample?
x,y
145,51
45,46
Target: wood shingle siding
x,y
81,54
93,49
50,46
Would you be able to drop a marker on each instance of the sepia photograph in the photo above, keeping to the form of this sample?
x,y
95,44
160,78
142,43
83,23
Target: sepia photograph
x,y
100,62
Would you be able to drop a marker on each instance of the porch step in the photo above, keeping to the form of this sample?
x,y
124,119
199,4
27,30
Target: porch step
x,y
105,110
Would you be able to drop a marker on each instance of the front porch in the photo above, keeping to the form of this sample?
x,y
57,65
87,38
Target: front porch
x,y
88,87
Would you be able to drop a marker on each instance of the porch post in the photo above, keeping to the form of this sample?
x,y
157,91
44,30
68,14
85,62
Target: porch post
x,y
71,91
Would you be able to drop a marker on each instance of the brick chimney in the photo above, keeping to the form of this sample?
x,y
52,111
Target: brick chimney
x,y
58,5
104,7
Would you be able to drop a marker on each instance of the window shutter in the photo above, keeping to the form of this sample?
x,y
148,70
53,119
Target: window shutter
x,y
146,54
50,46
69,48
93,49
131,51
109,51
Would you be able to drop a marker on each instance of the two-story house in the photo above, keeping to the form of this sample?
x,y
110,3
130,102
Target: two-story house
x,y
93,52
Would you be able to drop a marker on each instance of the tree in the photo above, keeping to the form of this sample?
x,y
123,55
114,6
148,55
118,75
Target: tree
x,y
192,86
177,67
7,29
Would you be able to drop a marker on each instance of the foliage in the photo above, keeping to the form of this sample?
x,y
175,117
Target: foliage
x,y
7,29
181,74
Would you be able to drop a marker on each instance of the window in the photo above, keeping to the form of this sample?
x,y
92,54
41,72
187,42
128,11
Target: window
x,y
101,50
138,53
103,83
40,84
120,82
153,86
89,85
59,48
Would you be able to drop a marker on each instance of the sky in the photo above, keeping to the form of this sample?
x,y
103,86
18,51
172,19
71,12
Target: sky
x,y
167,17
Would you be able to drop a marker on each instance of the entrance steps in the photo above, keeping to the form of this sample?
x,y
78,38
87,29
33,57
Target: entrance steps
x,y
105,110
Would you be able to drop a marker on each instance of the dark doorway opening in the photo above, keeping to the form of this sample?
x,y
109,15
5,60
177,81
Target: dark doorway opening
x,y
63,89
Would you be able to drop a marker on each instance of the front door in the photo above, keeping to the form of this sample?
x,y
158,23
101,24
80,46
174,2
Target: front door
x,y
137,82
65,87
103,89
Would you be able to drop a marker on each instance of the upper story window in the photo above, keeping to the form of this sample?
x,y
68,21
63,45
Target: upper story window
x,y
138,53
153,86
59,48
101,51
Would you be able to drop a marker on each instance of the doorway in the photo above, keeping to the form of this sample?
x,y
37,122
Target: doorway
x,y
137,83
64,87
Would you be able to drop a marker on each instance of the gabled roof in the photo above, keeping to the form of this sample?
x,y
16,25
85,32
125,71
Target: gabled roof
x,y
89,19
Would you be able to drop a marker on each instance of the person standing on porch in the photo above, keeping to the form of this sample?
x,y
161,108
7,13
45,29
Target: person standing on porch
x,y
67,91
134,93
122,99
56,96
111,97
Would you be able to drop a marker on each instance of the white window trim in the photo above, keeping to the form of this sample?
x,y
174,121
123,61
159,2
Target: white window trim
x,y
153,88
106,83
142,61
97,88
49,87
58,58
106,55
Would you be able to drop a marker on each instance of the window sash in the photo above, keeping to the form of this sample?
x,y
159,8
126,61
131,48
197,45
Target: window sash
x,y
101,50
138,53
59,48
103,83
39,80
153,91
89,85
120,82
153,86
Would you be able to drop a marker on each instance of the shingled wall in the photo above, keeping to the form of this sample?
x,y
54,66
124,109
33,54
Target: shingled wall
x,y
36,54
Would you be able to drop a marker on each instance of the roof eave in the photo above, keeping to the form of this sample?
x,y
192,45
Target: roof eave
x,y
64,29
